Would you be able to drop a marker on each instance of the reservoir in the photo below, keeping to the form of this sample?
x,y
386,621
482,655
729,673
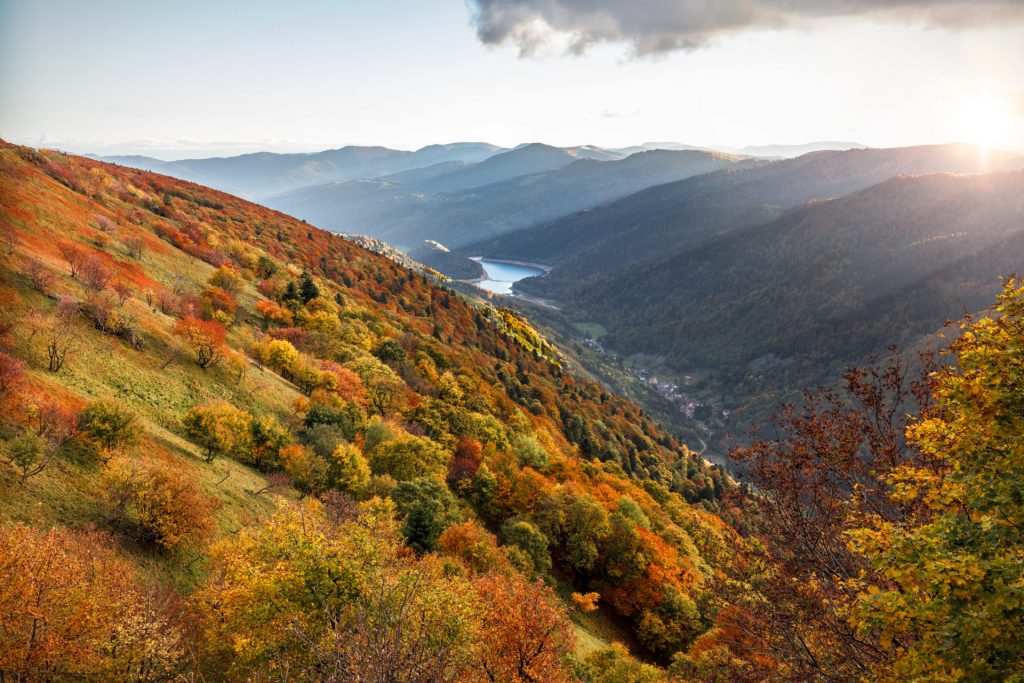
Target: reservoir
x,y
501,275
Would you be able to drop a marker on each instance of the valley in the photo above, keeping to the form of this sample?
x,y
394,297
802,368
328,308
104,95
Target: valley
x,y
744,271
589,423
512,341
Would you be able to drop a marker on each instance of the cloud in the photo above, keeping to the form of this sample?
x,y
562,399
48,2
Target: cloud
x,y
657,26
614,114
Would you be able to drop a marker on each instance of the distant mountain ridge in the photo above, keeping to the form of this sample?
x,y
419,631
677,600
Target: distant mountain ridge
x,y
261,174
523,160
790,151
406,214
813,279
773,151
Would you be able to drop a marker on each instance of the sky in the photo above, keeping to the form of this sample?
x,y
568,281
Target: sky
x,y
200,78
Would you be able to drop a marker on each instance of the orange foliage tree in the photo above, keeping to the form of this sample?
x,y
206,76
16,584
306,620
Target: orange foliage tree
x,y
205,338
526,633
70,609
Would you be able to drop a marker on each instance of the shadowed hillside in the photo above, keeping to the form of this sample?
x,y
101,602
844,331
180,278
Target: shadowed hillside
x,y
793,302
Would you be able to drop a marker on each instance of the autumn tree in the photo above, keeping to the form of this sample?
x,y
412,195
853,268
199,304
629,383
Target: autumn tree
x,y
532,544
227,278
309,472
579,524
156,502
28,453
349,469
221,429
60,333
93,274
12,372
8,237
205,338
71,609
278,355
41,277
349,604
123,291
273,313
268,437
615,665
464,465
792,585
73,256
526,632
383,387
107,425
476,547
136,247
947,598
408,457
42,429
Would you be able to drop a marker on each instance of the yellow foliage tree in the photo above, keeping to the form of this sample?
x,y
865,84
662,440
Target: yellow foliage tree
x,y
951,607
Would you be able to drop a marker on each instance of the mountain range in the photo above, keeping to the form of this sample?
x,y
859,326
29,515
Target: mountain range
x,y
261,174
265,173
517,190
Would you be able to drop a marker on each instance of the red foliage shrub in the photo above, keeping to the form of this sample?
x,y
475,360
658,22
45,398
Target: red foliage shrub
x,y
12,372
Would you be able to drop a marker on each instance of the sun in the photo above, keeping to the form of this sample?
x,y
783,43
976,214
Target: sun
x,y
985,122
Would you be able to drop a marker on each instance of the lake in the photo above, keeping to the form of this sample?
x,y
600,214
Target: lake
x,y
501,275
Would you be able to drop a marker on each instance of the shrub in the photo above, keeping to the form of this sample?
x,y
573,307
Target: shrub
x,y
107,425
71,611
157,504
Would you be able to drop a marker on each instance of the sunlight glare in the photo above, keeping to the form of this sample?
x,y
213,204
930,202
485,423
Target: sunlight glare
x,y
985,122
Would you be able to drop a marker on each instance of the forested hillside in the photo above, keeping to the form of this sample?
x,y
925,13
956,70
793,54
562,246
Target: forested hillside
x,y
438,257
792,303
210,408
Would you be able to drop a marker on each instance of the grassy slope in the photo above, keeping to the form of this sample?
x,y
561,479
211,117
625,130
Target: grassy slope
x,y
105,367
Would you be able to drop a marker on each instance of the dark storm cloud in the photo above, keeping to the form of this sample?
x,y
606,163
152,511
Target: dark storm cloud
x,y
652,26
